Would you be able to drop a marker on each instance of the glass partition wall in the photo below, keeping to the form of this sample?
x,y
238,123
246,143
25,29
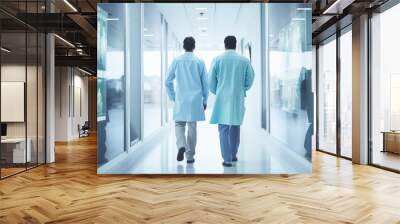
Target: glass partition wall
x,y
385,90
334,95
327,78
22,94
131,96
152,69
290,95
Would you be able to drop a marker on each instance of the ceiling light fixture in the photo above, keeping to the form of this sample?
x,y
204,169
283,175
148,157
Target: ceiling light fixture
x,y
304,9
5,50
298,19
70,5
64,40
84,71
148,35
201,9
334,5
112,19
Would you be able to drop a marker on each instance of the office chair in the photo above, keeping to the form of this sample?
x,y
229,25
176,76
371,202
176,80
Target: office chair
x,y
84,130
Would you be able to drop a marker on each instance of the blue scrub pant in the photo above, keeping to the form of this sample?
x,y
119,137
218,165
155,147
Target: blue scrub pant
x,y
229,139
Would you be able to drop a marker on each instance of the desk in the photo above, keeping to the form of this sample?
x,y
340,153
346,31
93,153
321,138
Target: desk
x,y
391,141
13,150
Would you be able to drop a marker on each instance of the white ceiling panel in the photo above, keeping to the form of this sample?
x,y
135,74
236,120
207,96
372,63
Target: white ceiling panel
x,y
208,23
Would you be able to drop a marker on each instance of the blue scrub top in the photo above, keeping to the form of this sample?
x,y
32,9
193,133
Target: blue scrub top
x,y
190,91
231,75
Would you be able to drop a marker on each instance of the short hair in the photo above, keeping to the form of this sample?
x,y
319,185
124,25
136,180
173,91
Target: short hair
x,y
230,42
189,44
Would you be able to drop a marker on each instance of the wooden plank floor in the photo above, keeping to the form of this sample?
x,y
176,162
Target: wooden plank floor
x,y
70,191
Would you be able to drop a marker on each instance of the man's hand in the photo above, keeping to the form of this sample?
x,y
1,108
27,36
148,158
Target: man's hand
x,y
205,106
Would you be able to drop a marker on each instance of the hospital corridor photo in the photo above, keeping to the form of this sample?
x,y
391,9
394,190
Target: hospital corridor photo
x,y
187,112
139,45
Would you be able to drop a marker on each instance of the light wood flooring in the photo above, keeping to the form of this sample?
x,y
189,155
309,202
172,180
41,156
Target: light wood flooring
x,y
70,191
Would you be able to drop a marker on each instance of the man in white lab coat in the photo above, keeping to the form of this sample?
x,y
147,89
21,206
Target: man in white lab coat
x,y
231,76
190,94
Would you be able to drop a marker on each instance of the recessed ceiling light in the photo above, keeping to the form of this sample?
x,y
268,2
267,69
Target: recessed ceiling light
x,y
112,19
201,9
298,19
148,35
304,9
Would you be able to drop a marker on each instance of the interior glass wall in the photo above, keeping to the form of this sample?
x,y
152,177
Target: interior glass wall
x,y
111,81
152,78
22,92
290,82
173,52
385,89
134,78
327,96
131,100
346,93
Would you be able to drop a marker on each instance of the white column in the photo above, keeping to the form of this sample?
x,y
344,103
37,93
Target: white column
x,y
360,90
50,99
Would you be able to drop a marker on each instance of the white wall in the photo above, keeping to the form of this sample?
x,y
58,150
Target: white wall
x,y
70,83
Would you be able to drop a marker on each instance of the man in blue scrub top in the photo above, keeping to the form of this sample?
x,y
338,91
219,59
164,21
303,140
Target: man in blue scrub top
x,y
190,95
231,75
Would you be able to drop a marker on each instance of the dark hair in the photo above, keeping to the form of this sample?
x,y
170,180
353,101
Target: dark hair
x,y
230,42
189,44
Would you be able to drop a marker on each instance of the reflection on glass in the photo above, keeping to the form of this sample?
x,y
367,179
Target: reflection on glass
x,y
385,84
111,80
291,97
173,51
152,70
346,94
327,96
22,93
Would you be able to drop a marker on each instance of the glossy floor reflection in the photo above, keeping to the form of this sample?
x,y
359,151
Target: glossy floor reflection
x,y
159,157
386,159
